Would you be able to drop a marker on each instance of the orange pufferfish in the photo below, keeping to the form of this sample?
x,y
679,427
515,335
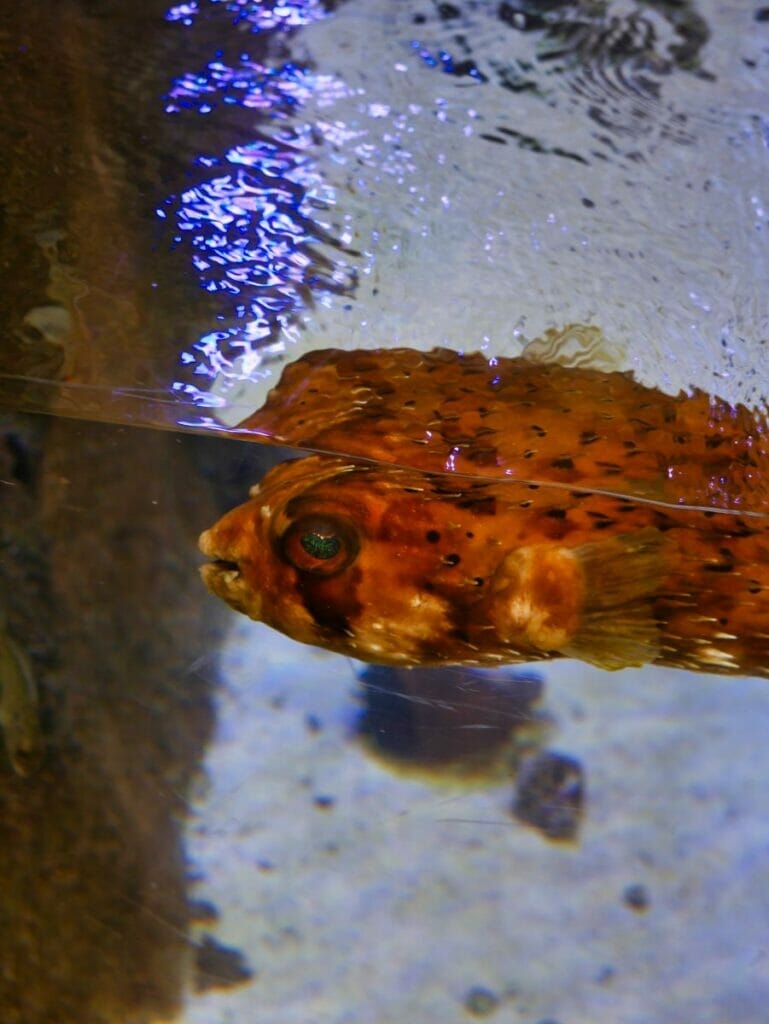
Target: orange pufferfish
x,y
505,510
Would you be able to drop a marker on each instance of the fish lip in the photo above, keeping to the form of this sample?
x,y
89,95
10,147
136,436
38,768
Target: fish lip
x,y
220,571
225,582
218,560
224,579
207,545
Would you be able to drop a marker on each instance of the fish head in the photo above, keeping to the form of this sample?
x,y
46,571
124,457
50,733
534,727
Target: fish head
x,y
400,567
361,559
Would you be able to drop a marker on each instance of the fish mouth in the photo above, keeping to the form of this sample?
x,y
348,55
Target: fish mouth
x,y
223,577
208,546
220,575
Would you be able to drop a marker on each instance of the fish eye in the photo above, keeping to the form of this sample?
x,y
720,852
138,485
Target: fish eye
x,y
323,545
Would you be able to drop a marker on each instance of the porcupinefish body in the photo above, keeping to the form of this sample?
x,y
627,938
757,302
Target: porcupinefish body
x,y
489,512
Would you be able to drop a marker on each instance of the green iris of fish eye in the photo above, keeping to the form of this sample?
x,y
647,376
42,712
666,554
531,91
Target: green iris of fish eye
x,y
320,545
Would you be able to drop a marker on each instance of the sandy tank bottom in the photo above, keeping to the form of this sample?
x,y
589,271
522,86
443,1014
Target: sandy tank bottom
x,y
357,895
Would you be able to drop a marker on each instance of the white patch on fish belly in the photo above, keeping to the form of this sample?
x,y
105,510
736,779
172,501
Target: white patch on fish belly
x,y
405,634
536,592
536,624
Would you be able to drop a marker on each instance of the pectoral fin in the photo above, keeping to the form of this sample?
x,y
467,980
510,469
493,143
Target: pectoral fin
x,y
594,602
617,626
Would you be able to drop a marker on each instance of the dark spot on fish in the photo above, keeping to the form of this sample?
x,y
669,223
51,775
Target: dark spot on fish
x,y
681,438
741,529
726,566
562,463
470,535
485,505
478,581
452,559
754,587
433,536
556,513
610,468
525,504
662,522
643,425
529,454
539,431
714,440
483,456
409,404
588,437
603,524
629,444
460,634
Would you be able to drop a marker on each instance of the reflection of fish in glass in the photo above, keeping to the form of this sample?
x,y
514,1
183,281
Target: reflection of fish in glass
x,y
512,510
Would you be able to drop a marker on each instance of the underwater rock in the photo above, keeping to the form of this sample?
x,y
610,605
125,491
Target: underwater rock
x,y
550,794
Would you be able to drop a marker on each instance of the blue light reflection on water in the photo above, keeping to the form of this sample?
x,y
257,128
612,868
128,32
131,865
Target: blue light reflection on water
x,y
447,62
255,231
278,91
258,15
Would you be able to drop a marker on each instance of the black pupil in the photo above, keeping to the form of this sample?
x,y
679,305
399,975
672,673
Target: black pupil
x,y
320,545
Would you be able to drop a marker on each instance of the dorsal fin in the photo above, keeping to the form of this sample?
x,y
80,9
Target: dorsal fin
x,y
577,346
